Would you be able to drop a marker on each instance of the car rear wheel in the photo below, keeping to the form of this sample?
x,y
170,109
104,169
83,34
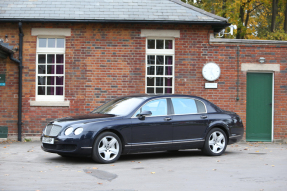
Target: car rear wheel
x,y
107,148
215,143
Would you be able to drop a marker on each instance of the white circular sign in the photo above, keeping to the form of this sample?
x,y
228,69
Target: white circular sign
x,y
211,71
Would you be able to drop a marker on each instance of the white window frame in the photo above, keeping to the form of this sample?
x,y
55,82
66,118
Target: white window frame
x,y
161,52
39,50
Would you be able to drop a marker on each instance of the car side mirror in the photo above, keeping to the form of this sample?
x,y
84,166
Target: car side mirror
x,y
143,114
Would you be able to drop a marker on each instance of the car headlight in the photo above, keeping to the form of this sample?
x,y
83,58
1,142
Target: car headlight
x,y
69,131
78,131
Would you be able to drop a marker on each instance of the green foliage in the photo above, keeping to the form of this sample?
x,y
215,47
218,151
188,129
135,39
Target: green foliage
x,y
277,35
27,140
252,17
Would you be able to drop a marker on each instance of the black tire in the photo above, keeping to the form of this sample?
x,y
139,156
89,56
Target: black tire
x,y
215,142
107,148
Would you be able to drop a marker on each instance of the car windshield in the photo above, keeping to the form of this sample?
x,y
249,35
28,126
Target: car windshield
x,y
121,106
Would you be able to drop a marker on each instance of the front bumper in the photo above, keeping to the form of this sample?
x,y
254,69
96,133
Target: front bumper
x,y
78,145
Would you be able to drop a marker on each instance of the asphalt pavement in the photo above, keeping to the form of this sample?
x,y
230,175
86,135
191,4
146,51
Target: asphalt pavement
x,y
244,166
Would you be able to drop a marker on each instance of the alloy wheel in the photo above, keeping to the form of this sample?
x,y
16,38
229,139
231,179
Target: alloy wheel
x,y
216,142
108,148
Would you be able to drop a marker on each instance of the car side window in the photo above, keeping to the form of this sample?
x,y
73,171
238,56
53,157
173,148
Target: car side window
x,y
183,106
157,107
200,107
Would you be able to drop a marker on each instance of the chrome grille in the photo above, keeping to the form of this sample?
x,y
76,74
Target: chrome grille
x,y
52,130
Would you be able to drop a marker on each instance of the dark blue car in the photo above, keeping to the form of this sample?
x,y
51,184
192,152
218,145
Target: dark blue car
x,y
144,123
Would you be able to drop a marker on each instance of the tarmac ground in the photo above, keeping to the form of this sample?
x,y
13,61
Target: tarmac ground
x,y
244,166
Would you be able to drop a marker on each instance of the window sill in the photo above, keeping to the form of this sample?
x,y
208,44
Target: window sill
x,y
50,103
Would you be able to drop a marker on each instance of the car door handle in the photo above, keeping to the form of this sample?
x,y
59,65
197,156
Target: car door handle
x,y
203,117
167,119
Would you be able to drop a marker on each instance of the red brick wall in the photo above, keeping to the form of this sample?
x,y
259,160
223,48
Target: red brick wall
x,y
104,61
9,92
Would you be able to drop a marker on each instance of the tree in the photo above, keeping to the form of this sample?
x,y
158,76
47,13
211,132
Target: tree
x,y
254,18
274,13
285,21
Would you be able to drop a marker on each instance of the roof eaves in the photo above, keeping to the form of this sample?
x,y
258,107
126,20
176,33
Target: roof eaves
x,y
199,10
112,21
6,48
216,25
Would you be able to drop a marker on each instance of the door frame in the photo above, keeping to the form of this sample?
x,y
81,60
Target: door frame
x,y
272,109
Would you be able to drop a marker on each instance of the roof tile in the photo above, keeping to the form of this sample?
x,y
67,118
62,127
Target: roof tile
x,y
166,10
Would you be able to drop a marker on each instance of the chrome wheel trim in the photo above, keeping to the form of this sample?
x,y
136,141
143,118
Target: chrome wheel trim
x,y
216,142
108,148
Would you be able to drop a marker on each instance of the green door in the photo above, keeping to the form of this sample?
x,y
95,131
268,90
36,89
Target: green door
x,y
259,107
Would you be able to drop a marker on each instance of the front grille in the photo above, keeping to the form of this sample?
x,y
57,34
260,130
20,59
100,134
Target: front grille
x,y
52,130
60,147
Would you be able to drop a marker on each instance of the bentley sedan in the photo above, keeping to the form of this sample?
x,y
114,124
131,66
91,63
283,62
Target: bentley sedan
x,y
144,123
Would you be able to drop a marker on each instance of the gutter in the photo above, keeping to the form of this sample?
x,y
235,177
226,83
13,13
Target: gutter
x,y
225,41
218,25
111,21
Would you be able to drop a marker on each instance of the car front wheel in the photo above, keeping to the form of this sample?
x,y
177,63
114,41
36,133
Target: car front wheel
x,y
215,143
107,148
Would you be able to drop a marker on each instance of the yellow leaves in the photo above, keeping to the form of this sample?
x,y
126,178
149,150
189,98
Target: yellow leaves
x,y
271,165
259,14
135,161
152,172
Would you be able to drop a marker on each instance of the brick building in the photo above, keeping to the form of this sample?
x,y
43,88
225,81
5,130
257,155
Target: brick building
x,y
77,55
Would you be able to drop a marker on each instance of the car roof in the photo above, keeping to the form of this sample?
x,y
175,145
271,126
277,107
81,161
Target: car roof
x,y
162,95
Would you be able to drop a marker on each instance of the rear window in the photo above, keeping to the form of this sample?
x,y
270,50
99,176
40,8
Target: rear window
x,y
200,107
183,106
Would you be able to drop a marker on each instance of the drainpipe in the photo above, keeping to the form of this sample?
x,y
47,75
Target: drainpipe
x,y
21,34
237,82
13,59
